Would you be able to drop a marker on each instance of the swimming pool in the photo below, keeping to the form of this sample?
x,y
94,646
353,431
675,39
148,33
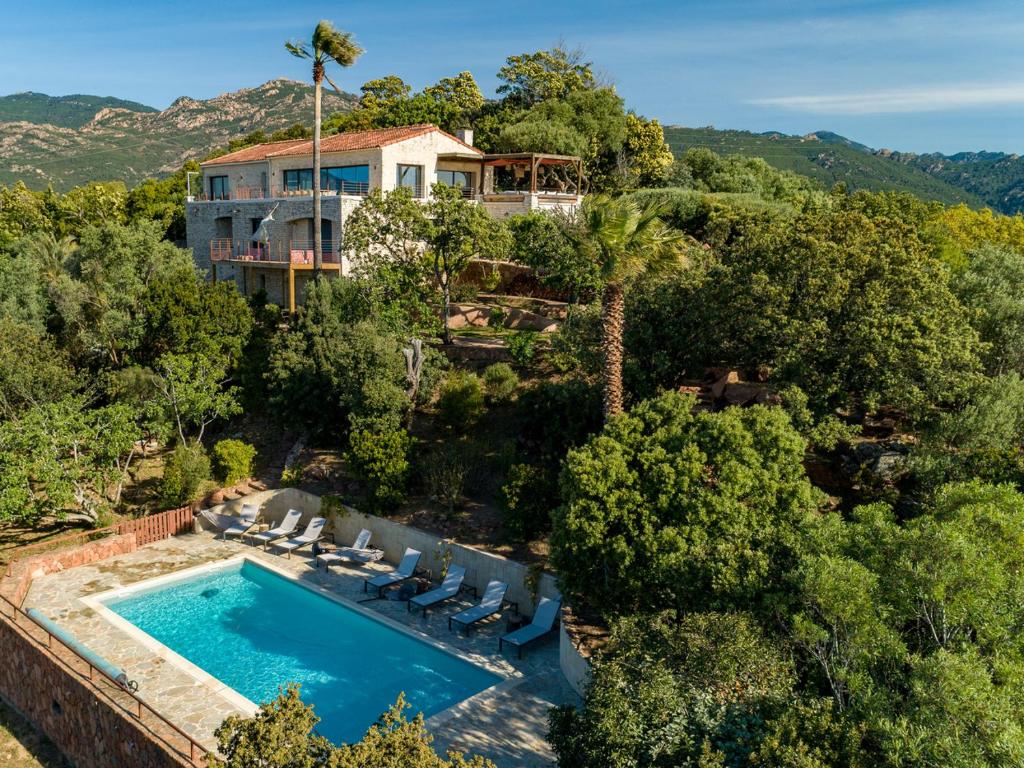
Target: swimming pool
x,y
255,630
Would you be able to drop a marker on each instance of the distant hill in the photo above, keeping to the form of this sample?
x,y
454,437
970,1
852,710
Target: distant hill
x,y
996,177
64,111
71,140
831,158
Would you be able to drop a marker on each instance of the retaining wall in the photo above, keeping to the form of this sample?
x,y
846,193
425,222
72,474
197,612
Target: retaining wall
x,y
91,731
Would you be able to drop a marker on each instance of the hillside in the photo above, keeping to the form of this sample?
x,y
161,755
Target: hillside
x,y
72,111
830,159
131,142
996,177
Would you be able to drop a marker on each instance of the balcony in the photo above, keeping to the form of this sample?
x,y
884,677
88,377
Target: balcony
x,y
296,253
346,189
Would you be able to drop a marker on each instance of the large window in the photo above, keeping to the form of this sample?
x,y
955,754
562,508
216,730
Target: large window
x,y
411,177
346,179
218,187
460,179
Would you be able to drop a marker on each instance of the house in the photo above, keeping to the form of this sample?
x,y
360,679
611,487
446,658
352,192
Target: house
x,y
241,189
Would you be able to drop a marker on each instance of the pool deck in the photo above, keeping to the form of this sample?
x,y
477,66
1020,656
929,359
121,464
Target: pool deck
x,y
506,723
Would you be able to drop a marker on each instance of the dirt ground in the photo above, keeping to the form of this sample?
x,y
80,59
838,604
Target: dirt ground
x,y
21,746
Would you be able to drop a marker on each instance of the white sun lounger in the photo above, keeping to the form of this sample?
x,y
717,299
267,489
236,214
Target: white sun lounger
x,y
544,621
449,588
359,552
314,532
284,529
490,604
405,570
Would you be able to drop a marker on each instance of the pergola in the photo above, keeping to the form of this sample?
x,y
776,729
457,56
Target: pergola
x,y
534,162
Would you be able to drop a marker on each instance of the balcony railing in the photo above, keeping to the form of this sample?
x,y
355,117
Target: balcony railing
x,y
348,188
293,252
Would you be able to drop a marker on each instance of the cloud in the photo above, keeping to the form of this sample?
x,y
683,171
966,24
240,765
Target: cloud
x,y
939,98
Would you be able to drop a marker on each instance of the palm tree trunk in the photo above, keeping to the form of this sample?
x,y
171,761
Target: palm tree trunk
x,y
613,303
318,246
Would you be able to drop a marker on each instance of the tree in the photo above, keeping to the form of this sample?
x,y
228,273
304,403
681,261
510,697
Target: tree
x,y
992,287
531,78
459,231
670,508
23,295
192,388
281,735
666,690
64,459
328,44
647,156
460,91
383,92
625,240
32,370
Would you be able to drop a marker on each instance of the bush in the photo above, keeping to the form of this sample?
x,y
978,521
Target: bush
x,y
233,460
187,468
500,381
446,472
529,494
522,346
381,461
461,401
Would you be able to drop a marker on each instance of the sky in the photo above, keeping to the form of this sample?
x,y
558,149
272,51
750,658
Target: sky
x,y
936,75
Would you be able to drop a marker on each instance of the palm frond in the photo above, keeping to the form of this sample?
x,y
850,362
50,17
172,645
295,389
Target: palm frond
x,y
333,85
298,49
333,44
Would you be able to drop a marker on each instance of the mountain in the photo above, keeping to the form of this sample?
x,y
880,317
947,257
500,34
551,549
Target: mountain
x,y
64,111
831,158
70,140
995,177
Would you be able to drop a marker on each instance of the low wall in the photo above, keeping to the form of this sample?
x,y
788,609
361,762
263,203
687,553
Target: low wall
x,y
574,664
90,730
393,538
15,586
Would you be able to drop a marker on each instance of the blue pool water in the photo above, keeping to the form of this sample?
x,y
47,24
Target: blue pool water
x,y
255,630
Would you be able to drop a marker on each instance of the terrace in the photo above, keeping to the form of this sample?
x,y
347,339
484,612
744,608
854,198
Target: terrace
x,y
506,722
295,253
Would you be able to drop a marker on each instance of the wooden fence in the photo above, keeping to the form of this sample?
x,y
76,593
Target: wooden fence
x,y
159,526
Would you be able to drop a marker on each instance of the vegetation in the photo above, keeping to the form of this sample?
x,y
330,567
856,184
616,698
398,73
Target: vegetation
x,y
233,460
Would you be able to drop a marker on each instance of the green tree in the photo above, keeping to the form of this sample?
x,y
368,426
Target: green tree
x,y
65,460
667,507
327,45
461,92
32,370
380,459
624,241
648,157
992,288
22,212
531,78
193,390
23,296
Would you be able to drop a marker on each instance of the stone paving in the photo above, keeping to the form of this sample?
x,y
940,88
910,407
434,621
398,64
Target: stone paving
x,y
507,723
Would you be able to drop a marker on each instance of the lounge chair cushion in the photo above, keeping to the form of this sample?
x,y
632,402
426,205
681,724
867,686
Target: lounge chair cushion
x,y
489,605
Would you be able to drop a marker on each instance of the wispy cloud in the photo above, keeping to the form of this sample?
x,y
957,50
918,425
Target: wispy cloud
x,y
938,98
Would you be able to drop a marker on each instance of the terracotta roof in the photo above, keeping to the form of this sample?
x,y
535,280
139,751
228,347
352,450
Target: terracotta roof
x,y
255,152
340,142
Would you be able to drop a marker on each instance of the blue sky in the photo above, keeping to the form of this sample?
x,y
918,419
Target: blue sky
x,y
922,76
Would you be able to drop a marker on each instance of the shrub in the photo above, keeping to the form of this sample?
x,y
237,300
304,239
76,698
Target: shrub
x,y
445,473
529,494
233,460
522,346
381,461
461,401
500,381
187,468
292,476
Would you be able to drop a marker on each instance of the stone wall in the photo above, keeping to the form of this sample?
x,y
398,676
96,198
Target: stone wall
x,y
90,729
16,584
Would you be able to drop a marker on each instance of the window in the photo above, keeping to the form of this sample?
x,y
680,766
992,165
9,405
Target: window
x,y
411,177
345,179
218,187
298,178
461,179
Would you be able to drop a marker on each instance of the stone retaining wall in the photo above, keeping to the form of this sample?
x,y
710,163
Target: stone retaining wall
x,y
15,586
90,730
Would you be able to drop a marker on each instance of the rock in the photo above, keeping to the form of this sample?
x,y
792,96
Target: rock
x,y
718,388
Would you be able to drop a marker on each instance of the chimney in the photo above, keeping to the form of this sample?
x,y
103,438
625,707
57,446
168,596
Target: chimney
x,y
465,135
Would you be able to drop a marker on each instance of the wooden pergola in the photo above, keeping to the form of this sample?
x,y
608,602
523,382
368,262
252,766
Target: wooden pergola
x,y
535,161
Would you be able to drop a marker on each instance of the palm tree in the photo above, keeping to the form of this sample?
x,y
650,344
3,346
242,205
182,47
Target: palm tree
x,y
625,240
328,44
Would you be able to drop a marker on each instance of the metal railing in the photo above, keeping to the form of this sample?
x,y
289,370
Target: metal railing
x,y
349,188
195,752
292,252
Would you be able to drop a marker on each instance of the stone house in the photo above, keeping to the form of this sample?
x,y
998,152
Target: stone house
x,y
241,189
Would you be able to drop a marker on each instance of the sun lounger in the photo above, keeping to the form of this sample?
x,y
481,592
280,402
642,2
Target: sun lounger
x,y
449,588
405,570
359,552
233,525
545,618
490,604
282,531
314,532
